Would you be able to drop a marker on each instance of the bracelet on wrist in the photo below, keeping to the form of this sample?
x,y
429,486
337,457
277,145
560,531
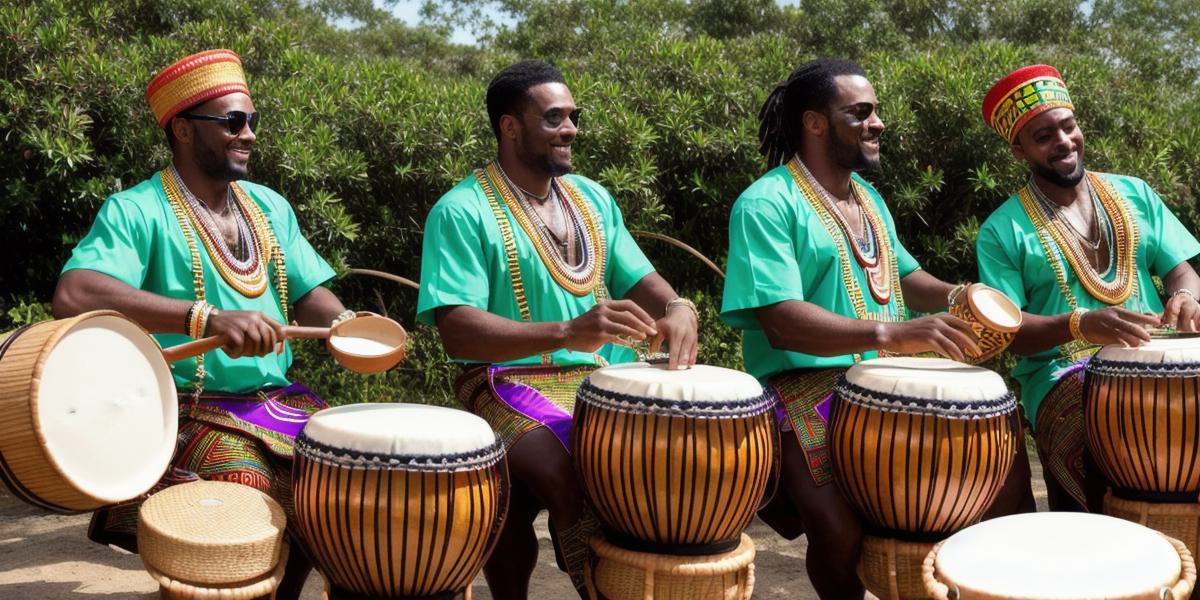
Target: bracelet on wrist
x,y
207,312
345,315
191,325
954,293
681,301
1075,322
1183,291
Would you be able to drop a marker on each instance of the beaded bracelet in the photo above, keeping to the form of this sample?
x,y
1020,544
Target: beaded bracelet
x,y
954,293
1183,291
192,325
681,301
1074,324
202,322
345,315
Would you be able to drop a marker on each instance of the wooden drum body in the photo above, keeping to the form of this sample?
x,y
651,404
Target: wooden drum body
x,y
993,317
88,412
1059,556
398,500
921,446
674,462
1142,416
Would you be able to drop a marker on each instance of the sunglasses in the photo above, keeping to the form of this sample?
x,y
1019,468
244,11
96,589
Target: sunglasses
x,y
553,119
235,120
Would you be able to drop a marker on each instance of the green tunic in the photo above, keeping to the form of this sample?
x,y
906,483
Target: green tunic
x,y
464,263
780,250
136,239
1012,260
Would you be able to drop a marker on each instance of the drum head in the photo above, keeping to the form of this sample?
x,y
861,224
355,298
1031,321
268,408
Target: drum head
x,y
106,408
397,433
994,309
1058,556
1162,351
701,383
937,379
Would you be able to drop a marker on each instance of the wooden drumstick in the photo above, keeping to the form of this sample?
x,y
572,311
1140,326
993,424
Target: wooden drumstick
x,y
212,342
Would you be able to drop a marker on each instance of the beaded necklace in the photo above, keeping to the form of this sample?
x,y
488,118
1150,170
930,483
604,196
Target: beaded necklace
x,y
875,257
1103,224
261,234
886,263
581,279
1123,245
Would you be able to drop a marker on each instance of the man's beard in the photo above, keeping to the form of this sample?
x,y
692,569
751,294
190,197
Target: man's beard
x,y
1070,180
852,157
215,165
555,169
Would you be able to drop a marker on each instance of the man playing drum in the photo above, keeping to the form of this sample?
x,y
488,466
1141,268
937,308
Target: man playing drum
x,y
193,251
1076,250
817,280
531,277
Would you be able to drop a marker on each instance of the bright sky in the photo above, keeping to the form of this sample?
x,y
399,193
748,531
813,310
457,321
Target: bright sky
x,y
409,11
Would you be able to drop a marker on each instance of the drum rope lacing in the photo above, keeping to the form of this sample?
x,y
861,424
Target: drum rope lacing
x,y
1117,368
896,403
342,457
601,398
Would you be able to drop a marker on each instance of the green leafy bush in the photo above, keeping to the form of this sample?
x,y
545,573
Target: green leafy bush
x,y
364,128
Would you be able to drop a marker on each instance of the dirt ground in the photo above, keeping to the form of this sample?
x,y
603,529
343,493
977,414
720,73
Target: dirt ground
x,y
48,557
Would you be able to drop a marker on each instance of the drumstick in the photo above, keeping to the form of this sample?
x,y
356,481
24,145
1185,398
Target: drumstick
x,y
212,342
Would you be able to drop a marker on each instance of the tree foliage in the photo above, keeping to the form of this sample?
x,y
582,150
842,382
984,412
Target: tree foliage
x,y
368,121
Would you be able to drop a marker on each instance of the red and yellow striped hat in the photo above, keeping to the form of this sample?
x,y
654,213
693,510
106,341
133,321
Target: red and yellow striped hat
x,y
195,79
1022,95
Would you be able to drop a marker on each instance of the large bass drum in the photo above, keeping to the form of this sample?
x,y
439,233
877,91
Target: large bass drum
x,y
1142,416
674,462
88,412
398,500
922,445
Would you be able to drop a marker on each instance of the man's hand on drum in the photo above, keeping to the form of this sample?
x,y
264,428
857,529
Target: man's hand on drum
x,y
1182,312
620,321
678,328
247,332
1116,325
943,333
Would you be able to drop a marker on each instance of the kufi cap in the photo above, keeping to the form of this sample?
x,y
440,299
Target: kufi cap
x,y
194,80
1022,95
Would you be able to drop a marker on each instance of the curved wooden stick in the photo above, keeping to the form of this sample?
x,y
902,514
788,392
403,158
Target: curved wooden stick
x,y
212,342
682,246
385,275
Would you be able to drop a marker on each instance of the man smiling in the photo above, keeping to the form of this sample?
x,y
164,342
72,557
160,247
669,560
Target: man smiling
x,y
818,280
1075,249
532,279
193,251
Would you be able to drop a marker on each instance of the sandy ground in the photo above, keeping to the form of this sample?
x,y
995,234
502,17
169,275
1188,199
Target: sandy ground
x,y
48,557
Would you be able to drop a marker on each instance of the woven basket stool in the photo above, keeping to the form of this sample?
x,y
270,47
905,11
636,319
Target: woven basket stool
x,y
891,568
1179,520
213,539
622,574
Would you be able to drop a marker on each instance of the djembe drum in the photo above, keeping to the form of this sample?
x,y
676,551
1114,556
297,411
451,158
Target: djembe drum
x,y
1058,556
398,500
993,317
213,539
88,412
921,447
1142,417
675,463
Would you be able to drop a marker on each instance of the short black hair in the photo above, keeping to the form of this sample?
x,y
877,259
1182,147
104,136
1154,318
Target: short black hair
x,y
810,87
510,87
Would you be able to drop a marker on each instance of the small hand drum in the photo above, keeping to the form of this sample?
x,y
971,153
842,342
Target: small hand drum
x,y
993,317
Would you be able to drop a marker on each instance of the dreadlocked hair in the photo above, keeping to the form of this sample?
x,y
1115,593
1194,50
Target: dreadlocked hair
x,y
810,87
509,87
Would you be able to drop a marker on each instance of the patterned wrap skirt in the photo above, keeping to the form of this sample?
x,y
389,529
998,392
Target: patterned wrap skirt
x,y
1059,434
517,400
802,400
242,438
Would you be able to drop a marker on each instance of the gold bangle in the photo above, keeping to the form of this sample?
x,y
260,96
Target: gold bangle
x,y
1074,323
681,301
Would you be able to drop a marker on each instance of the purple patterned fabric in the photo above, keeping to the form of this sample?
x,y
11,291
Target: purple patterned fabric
x,y
534,405
269,414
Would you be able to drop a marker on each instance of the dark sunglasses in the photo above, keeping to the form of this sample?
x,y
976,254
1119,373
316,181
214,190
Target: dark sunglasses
x,y
235,120
554,118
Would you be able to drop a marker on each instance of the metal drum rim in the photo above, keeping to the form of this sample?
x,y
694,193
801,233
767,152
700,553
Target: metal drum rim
x,y
734,409
980,409
483,458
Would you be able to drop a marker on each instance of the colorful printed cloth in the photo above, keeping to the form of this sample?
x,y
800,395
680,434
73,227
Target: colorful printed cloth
x,y
1060,436
517,400
243,439
805,396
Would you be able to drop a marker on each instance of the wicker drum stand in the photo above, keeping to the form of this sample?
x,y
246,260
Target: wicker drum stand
x,y
622,574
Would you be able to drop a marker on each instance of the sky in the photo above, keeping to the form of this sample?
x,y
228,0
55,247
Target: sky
x,y
409,11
